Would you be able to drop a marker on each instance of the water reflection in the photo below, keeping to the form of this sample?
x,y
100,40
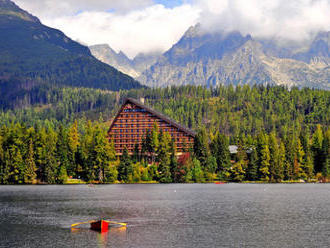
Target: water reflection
x,y
115,233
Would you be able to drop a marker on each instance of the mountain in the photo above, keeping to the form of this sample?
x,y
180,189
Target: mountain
x,y
33,54
121,62
202,58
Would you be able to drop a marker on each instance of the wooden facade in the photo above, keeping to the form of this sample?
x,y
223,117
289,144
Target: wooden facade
x,y
133,120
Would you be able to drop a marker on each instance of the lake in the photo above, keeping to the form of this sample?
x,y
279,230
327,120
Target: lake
x,y
171,215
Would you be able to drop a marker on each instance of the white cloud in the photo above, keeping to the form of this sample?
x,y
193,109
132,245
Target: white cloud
x,y
55,8
293,19
152,29
135,26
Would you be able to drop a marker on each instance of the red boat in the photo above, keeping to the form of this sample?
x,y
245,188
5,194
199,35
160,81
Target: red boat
x,y
100,225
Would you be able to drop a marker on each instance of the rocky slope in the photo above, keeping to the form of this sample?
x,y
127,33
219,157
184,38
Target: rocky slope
x,y
201,58
121,62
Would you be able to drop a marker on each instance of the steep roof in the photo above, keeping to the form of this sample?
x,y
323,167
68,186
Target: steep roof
x,y
156,113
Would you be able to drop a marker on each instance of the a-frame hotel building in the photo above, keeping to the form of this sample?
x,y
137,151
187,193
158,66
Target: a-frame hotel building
x,y
134,119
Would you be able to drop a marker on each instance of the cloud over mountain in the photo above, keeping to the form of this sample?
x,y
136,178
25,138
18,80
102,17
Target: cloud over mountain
x,y
149,26
293,20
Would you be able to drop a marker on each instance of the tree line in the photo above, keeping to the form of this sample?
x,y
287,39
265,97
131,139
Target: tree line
x,y
83,150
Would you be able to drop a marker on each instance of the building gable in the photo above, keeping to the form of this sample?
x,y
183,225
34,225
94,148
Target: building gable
x,y
133,121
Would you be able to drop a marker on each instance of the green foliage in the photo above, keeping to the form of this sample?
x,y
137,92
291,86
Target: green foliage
x,y
125,168
197,172
280,134
220,151
164,158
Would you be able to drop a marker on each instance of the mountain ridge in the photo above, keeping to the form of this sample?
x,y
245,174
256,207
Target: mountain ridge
x,y
31,51
202,58
133,67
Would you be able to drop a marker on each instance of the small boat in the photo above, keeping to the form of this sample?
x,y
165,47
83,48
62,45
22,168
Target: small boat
x,y
100,225
219,182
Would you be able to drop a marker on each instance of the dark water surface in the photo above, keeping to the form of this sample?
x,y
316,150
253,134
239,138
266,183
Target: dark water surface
x,y
175,215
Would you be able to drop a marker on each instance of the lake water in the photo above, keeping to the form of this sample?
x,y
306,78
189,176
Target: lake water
x,y
174,215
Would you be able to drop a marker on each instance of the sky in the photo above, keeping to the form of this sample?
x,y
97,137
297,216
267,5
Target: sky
x,y
153,26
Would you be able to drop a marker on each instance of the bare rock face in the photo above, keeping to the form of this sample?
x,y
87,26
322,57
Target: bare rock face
x,y
201,58
121,62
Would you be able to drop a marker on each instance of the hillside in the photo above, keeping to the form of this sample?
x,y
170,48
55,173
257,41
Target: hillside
x,y
32,54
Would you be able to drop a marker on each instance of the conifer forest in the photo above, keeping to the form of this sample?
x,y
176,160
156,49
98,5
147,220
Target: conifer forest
x,y
244,133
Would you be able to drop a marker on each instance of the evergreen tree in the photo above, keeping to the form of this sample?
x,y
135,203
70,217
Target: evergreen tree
x,y
73,143
274,158
316,147
164,152
264,157
154,141
102,155
201,149
326,154
62,155
252,167
197,173
220,151
237,172
125,168
30,172
51,164
300,170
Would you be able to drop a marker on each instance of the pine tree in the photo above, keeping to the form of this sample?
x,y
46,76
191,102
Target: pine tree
x,y
197,173
30,173
201,149
252,167
274,157
51,164
264,157
300,173
62,155
125,168
316,147
154,141
237,172
164,152
281,163
102,155
326,154
73,143
220,151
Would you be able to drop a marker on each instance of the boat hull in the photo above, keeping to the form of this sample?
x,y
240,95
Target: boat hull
x,y
100,226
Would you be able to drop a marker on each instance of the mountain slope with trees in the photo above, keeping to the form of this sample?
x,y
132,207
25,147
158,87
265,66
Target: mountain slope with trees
x,y
33,55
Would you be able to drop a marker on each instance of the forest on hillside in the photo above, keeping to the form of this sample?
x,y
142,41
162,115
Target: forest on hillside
x,y
280,134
